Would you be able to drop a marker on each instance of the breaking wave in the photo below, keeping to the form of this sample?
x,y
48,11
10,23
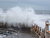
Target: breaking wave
x,y
22,15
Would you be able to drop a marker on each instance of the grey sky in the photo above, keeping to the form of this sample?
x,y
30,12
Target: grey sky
x,y
36,4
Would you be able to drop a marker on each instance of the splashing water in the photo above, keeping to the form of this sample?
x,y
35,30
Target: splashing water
x,y
22,15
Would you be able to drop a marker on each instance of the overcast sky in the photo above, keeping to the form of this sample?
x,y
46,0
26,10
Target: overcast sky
x,y
36,4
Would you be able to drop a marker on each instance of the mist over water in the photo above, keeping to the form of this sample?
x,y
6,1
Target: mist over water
x,y
23,15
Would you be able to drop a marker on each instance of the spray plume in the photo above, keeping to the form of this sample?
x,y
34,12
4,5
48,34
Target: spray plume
x,y
22,15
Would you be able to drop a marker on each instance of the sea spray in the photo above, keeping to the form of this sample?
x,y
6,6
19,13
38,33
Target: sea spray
x,y
22,15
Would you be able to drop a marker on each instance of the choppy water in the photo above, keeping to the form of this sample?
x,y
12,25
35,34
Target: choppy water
x,y
15,35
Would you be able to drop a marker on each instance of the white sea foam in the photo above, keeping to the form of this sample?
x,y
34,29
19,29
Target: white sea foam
x,y
23,15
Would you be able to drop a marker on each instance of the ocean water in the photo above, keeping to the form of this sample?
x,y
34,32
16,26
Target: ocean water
x,y
15,35
7,35
21,15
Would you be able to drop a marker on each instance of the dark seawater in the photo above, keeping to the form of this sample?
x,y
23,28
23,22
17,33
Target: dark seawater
x,y
11,34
